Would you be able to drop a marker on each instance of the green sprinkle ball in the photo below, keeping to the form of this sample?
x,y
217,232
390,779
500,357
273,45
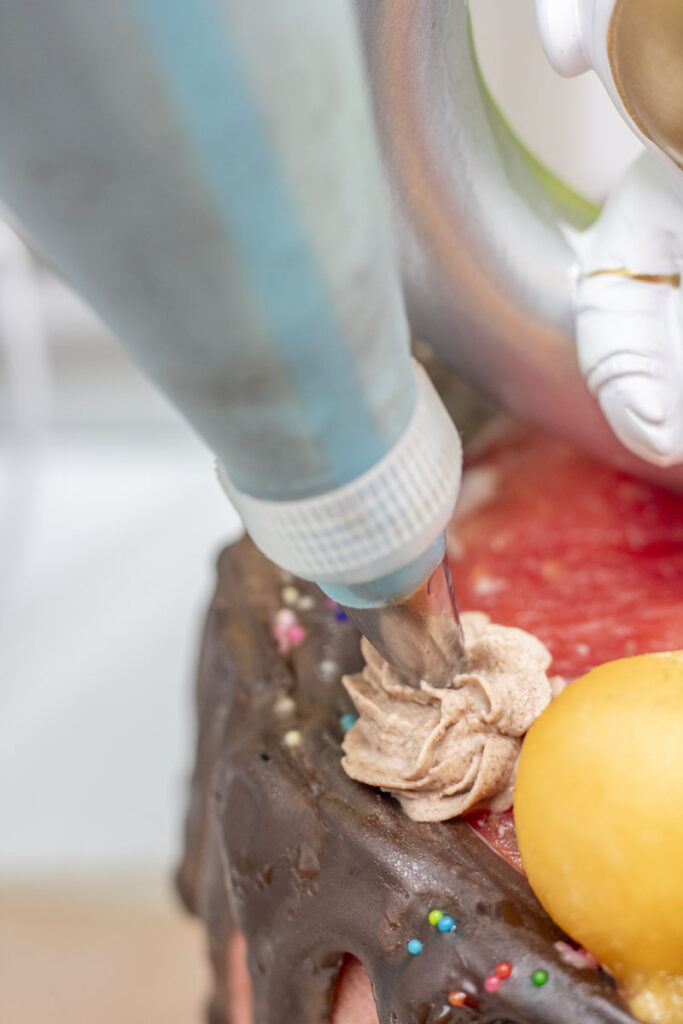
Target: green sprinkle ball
x,y
434,917
539,978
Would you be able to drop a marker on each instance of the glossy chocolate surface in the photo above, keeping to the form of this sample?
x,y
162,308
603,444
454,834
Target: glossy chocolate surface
x,y
311,865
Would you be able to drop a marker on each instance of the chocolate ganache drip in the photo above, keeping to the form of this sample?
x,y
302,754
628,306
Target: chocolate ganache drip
x,y
312,866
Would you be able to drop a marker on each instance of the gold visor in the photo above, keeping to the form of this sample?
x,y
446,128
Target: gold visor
x,y
645,47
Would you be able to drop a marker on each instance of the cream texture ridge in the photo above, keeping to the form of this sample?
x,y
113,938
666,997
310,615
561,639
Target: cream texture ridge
x,y
444,751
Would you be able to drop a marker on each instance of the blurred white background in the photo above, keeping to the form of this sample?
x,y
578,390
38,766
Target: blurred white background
x,y
111,520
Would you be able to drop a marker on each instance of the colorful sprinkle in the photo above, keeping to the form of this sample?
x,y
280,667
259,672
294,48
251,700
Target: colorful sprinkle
x,y
347,720
340,615
296,635
446,923
434,917
329,670
290,595
305,603
457,997
284,619
503,969
579,958
284,706
287,631
293,738
539,978
492,983
415,947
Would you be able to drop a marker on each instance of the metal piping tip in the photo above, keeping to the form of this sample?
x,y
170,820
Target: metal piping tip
x,y
421,635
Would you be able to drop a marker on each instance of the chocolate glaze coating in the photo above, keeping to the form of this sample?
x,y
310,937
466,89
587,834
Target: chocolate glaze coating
x,y
311,865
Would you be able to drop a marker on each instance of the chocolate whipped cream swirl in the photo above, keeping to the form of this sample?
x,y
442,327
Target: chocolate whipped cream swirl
x,y
441,752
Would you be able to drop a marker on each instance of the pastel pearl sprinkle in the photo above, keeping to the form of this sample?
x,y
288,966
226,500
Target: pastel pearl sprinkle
x,y
305,603
284,706
579,958
328,669
290,595
446,924
285,618
287,630
435,916
296,635
415,947
539,978
292,738
347,720
492,983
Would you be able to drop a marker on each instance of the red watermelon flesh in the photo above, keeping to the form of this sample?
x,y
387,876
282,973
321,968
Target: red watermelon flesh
x,y
587,558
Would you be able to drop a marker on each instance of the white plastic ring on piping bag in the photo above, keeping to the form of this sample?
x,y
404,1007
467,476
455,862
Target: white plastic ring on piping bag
x,y
378,523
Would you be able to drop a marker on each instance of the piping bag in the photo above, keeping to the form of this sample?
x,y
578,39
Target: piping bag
x,y
205,173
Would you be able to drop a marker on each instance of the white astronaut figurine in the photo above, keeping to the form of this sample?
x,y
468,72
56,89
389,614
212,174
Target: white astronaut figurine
x,y
628,296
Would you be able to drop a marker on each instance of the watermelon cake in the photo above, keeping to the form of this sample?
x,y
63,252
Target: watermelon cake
x,y
323,902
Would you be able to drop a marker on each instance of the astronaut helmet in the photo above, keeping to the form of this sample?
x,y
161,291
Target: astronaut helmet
x,y
636,48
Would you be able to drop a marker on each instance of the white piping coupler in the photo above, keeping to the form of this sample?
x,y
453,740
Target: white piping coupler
x,y
376,524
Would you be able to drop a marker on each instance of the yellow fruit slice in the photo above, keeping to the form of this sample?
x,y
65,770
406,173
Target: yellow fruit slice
x,y
599,816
